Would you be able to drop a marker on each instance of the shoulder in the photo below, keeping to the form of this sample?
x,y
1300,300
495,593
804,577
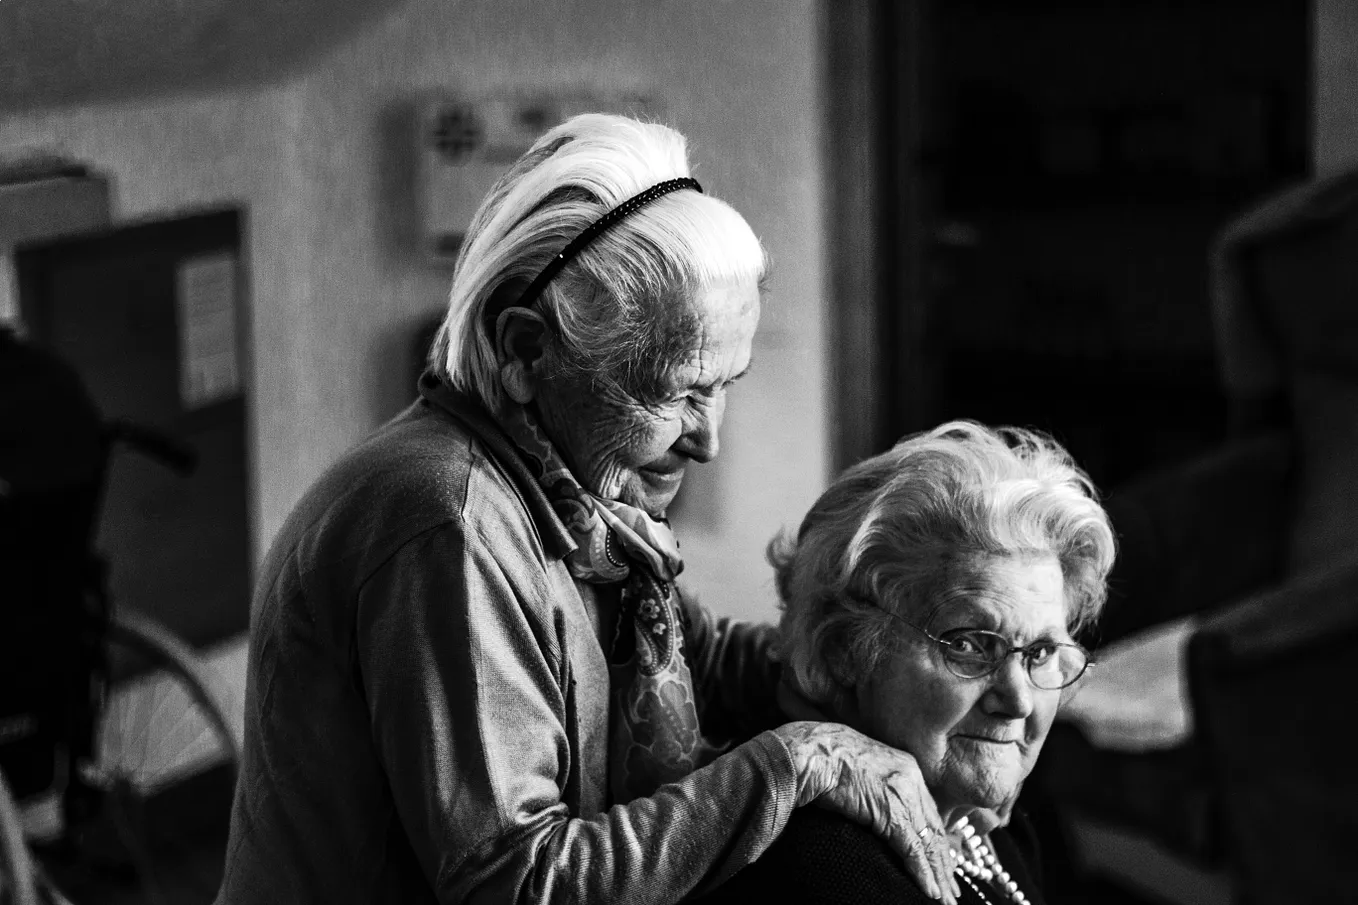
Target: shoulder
x,y
426,464
422,472
821,857
425,467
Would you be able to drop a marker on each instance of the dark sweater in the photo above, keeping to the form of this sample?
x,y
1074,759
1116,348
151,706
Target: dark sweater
x,y
826,859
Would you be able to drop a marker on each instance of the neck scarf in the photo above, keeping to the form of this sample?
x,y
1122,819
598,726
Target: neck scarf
x,y
654,736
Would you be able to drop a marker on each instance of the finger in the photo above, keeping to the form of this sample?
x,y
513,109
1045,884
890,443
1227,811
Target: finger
x,y
942,871
924,848
908,844
949,868
940,851
933,853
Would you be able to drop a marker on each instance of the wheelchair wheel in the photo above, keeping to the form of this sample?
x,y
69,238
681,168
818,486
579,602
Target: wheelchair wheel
x,y
168,717
18,884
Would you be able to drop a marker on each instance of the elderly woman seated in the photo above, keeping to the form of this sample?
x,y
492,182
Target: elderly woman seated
x,y
930,599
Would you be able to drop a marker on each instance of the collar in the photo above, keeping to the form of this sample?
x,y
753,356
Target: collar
x,y
471,414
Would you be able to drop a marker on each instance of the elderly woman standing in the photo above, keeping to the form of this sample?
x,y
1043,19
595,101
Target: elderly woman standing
x,y
929,600
470,675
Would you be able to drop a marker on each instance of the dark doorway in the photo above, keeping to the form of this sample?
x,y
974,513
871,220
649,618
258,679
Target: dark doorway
x,y
1049,176
150,315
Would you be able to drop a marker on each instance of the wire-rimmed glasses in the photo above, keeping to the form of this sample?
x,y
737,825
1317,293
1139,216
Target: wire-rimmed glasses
x,y
972,653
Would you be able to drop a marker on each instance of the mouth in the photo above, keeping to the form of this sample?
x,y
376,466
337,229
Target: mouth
x,y
989,740
663,479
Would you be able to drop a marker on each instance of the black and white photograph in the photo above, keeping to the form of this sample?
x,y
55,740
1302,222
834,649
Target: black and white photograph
x,y
840,452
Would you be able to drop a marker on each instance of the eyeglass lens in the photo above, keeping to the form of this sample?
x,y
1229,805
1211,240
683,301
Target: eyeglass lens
x,y
972,653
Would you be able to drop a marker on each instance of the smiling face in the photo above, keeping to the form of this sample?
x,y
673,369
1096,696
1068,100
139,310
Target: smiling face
x,y
975,740
636,451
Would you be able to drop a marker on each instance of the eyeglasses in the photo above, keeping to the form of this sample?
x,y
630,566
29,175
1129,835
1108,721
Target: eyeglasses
x,y
971,653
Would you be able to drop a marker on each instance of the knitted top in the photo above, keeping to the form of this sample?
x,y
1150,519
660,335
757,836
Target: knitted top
x,y
826,859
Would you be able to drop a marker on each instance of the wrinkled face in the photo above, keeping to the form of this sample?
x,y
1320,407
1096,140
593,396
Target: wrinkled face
x,y
636,451
975,740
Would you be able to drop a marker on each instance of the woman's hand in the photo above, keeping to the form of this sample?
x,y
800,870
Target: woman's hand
x,y
879,787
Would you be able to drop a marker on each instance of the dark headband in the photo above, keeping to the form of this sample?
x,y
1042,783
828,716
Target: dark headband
x,y
598,228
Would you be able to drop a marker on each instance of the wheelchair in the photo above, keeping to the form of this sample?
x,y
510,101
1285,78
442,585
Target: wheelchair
x,y
98,704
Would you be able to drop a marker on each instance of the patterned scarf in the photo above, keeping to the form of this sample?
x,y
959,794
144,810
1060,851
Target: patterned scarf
x,y
654,736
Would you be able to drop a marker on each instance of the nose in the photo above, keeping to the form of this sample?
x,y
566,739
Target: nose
x,y
700,440
1011,691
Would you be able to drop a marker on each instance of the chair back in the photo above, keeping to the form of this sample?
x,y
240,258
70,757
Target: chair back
x,y
1285,309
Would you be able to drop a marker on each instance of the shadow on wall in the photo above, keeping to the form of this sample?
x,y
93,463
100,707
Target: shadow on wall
x,y
396,199
57,53
403,347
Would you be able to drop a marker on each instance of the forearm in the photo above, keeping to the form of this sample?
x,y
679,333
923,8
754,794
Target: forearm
x,y
689,836
473,721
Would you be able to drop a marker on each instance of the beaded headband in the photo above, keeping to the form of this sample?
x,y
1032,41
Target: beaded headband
x,y
598,228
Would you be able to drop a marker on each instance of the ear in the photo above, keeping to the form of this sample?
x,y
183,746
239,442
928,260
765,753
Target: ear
x,y
520,339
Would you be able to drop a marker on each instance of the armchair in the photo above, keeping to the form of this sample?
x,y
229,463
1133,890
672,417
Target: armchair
x,y
1217,726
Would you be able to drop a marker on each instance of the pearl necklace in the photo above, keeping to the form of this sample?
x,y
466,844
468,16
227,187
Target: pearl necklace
x,y
980,863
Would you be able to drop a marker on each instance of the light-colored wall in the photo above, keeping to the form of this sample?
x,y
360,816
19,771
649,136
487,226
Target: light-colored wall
x,y
739,79
170,156
318,164
1336,85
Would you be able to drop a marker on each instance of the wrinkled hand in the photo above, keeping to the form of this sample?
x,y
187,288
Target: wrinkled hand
x,y
877,786
1135,698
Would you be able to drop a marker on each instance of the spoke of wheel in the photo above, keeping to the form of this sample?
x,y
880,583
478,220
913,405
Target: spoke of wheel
x,y
156,725
16,866
144,634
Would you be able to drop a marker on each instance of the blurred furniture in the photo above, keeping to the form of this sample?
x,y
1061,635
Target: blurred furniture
x,y
1250,556
43,196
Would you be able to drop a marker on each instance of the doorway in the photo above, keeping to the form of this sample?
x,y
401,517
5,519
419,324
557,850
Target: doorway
x,y
1045,180
151,317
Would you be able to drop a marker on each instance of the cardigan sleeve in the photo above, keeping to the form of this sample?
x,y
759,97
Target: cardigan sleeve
x,y
735,673
467,691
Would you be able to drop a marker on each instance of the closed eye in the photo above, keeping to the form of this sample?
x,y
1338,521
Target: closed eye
x,y
740,375
711,389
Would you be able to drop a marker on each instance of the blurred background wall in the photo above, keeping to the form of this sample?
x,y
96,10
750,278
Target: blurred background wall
x,y
1336,85
321,166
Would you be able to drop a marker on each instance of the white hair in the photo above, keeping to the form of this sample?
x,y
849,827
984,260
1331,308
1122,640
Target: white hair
x,y
618,306
901,529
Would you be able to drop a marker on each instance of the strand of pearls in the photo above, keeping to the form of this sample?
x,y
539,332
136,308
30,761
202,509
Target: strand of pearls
x,y
985,900
980,863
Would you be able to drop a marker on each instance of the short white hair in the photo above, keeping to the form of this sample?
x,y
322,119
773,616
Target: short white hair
x,y
618,306
898,531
